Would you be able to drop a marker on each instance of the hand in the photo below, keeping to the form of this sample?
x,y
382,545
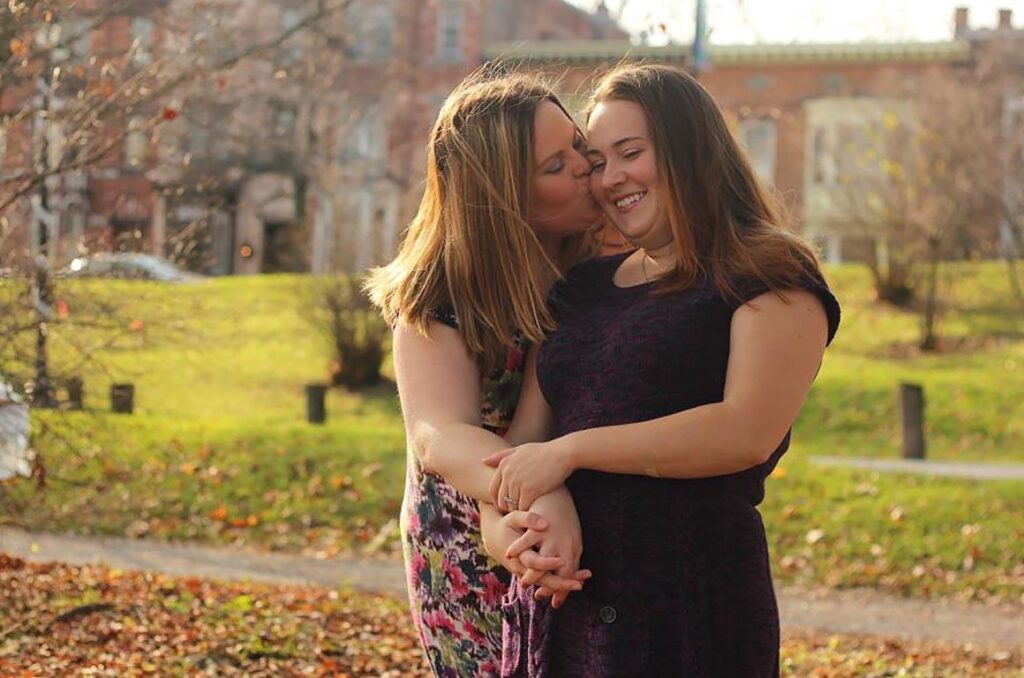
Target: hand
x,y
562,539
527,472
500,531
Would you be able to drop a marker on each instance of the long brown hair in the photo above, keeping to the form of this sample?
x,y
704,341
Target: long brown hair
x,y
725,224
471,244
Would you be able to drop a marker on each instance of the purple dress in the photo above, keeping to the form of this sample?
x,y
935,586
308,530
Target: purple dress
x,y
682,584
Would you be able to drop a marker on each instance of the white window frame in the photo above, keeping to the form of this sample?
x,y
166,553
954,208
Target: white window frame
x,y
451,17
135,143
761,151
142,40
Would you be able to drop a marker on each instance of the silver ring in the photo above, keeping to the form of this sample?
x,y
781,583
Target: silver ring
x,y
511,502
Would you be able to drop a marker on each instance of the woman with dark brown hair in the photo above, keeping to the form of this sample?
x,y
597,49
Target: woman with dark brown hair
x,y
667,393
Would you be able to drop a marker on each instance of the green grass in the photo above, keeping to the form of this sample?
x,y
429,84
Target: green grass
x,y
974,389
218,450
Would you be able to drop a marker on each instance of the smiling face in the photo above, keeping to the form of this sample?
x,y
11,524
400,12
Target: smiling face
x,y
560,199
624,173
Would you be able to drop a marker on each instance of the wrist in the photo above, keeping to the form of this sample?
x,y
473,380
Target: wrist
x,y
571,451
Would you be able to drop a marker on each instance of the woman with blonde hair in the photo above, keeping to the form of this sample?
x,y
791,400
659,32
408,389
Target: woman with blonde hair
x,y
506,208
666,393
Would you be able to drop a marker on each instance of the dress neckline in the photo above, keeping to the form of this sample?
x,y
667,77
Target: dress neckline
x,y
615,262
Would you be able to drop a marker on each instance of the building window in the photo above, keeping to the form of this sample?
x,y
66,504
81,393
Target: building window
x,y
75,41
142,40
822,159
364,137
291,49
758,136
372,32
834,83
450,16
759,82
283,124
135,143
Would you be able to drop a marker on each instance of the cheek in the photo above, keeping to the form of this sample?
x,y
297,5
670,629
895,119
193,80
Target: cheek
x,y
555,193
596,188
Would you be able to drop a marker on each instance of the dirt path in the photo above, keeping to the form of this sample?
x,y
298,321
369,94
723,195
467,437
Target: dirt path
x,y
862,611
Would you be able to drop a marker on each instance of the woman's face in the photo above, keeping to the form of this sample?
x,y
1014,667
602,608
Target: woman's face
x,y
624,173
560,200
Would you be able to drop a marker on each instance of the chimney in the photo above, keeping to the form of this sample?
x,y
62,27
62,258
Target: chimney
x,y
960,19
1006,19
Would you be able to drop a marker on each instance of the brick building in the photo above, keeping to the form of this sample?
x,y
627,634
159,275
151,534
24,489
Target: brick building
x,y
795,107
297,161
307,155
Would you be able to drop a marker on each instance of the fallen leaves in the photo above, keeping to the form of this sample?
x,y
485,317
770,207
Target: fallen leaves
x,y
63,620
819,655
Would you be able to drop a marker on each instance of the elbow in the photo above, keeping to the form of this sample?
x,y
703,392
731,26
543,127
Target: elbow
x,y
759,446
422,443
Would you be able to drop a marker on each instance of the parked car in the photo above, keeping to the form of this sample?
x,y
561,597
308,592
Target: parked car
x,y
132,265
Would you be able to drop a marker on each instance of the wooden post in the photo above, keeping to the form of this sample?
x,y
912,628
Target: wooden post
x,y
912,411
76,389
122,398
316,409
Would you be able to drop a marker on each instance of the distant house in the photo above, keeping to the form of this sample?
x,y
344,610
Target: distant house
x,y
307,157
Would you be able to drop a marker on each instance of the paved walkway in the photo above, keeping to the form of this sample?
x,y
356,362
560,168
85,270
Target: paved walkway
x,y
951,469
863,611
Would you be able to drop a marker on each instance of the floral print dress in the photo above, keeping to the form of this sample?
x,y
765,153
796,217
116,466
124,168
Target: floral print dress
x,y
455,588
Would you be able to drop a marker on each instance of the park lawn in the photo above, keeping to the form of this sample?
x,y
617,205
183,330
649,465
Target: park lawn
x,y
218,450
57,620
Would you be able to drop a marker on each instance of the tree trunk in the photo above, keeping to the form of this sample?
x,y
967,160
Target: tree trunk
x,y
929,339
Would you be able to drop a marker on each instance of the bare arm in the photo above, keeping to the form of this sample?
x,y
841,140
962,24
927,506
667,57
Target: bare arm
x,y
439,387
775,353
533,421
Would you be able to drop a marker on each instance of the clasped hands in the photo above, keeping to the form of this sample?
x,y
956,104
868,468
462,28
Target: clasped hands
x,y
539,538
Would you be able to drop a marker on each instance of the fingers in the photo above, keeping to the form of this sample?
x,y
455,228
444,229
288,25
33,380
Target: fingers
x,y
525,520
534,561
557,583
528,540
531,577
559,598
542,592
494,459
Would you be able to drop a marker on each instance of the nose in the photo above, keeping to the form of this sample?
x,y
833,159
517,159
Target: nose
x,y
611,176
580,166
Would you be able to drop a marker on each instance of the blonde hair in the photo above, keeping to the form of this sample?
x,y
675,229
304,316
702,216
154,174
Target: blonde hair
x,y
470,244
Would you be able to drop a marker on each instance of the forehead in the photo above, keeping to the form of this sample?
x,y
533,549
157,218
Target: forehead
x,y
613,120
551,124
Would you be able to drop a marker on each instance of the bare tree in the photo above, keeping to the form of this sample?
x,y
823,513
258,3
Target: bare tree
x,y
923,178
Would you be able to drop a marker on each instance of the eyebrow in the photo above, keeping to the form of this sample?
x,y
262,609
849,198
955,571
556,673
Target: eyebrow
x,y
619,143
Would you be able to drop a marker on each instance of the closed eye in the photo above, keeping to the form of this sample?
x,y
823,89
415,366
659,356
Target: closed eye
x,y
555,168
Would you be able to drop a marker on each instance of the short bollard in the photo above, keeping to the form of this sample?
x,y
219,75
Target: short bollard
x,y
76,393
316,410
122,398
912,411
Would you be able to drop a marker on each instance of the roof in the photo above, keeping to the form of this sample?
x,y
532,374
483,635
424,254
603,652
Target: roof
x,y
598,51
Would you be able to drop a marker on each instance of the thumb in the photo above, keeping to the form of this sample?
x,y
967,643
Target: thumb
x,y
524,520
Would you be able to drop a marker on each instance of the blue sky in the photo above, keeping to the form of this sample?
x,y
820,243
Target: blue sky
x,y
751,21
